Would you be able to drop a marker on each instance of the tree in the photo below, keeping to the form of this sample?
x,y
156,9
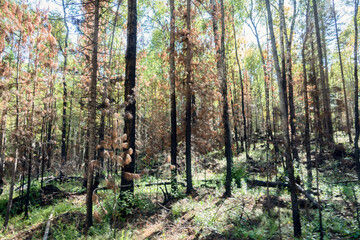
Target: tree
x,y
225,116
324,90
16,154
127,181
173,97
284,119
288,76
356,93
254,28
64,116
92,115
242,93
342,74
189,186
306,101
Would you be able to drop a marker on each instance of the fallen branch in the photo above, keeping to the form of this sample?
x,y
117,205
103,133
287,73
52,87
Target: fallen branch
x,y
46,234
258,183
50,179
157,184
307,194
346,182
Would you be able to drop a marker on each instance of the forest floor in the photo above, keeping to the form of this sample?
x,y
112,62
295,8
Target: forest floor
x,y
252,212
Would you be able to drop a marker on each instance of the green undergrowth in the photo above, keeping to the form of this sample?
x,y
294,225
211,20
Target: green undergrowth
x,y
247,214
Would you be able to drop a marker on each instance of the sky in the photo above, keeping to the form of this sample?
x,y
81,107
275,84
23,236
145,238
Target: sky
x,y
345,11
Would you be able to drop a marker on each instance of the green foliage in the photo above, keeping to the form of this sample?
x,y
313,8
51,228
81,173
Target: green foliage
x,y
18,203
238,173
65,231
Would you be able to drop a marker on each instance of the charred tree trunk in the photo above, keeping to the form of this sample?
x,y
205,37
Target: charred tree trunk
x,y
242,93
173,98
315,96
226,121
2,146
12,183
266,80
288,42
324,90
233,99
92,116
189,186
127,184
105,96
284,118
306,104
348,125
356,93
64,116
27,200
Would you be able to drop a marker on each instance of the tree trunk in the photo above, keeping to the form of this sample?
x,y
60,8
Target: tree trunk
x,y
266,80
92,115
284,118
306,104
104,95
324,91
233,99
64,117
315,96
27,200
49,144
12,183
323,40
288,41
189,186
242,93
356,93
348,125
2,145
173,98
127,184
226,121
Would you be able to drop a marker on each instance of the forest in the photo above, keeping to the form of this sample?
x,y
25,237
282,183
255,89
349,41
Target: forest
x,y
179,119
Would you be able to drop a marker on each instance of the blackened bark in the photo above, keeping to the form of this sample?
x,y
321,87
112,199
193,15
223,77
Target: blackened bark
x,y
127,184
27,199
104,96
226,121
189,186
242,94
324,91
173,98
64,116
12,183
348,125
49,144
306,104
288,42
233,99
315,96
2,145
92,116
356,93
284,118
266,79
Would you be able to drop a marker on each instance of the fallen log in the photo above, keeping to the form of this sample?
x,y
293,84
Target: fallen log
x,y
258,183
47,229
307,194
145,185
50,179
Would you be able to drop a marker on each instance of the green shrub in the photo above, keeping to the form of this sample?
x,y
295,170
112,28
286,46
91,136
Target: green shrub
x,y
238,172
